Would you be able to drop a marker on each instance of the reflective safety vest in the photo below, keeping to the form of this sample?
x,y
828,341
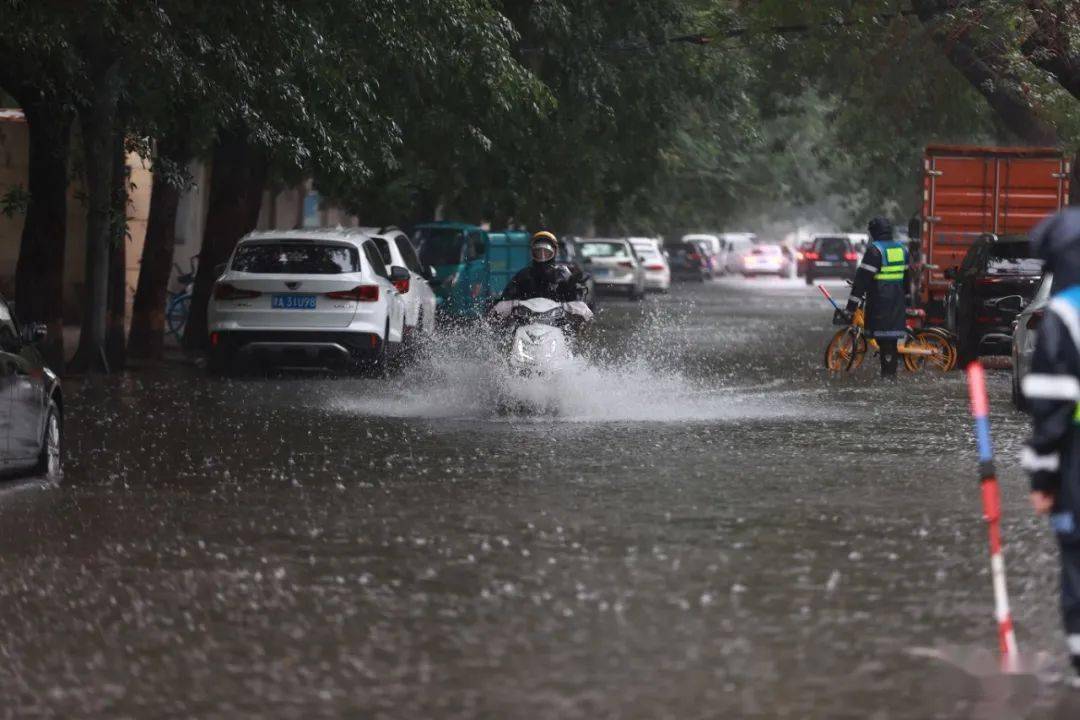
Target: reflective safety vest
x,y
893,261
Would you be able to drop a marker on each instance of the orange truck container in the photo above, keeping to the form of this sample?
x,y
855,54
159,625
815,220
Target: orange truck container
x,y
969,191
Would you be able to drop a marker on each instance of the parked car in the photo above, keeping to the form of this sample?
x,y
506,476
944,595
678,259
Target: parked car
x,y
33,427
1025,331
831,256
307,297
570,254
613,265
397,250
657,270
687,262
713,249
738,247
995,280
765,259
800,257
471,266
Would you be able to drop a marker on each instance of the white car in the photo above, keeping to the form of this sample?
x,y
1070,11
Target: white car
x,y
308,297
657,270
613,265
737,249
398,251
765,259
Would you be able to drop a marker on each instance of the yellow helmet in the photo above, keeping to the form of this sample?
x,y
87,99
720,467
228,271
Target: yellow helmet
x,y
544,246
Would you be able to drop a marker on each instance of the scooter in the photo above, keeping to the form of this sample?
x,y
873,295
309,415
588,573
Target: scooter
x,y
539,343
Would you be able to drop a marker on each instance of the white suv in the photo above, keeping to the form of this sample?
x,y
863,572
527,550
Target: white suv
x,y
397,251
322,297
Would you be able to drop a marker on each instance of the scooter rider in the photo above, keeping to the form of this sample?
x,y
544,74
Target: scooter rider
x,y
544,277
882,280
1052,389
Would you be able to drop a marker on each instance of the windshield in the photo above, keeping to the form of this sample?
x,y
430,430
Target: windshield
x,y
301,258
1012,259
440,246
833,245
603,249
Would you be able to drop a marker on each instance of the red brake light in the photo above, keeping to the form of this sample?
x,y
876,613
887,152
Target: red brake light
x,y
1035,319
654,266
360,293
225,291
402,286
810,255
851,256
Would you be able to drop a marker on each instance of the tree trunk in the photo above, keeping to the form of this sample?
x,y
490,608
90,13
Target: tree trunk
x,y
116,310
147,338
237,178
987,69
98,120
39,272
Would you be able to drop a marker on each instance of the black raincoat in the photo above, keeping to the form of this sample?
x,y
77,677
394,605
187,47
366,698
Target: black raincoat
x,y
555,281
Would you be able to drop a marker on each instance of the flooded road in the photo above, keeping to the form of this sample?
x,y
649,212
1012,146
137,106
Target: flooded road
x,y
701,525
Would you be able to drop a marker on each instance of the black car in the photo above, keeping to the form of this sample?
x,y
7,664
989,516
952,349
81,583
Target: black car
x,y
996,279
687,261
832,257
31,425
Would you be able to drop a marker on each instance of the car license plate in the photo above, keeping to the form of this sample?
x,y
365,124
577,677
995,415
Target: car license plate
x,y
832,258
292,302
601,272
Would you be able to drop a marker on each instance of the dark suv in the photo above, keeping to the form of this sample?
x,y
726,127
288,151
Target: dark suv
x,y
995,280
830,256
30,419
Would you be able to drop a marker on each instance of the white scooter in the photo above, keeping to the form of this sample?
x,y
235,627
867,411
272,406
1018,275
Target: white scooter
x,y
539,345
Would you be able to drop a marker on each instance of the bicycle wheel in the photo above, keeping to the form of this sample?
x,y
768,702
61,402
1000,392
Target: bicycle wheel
x,y
943,353
845,352
176,314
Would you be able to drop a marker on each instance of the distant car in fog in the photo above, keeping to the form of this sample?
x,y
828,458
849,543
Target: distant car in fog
x,y
657,270
1025,331
687,261
614,265
31,422
830,256
713,249
738,244
766,259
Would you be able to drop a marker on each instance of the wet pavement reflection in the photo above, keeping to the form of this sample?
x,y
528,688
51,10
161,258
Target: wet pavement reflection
x,y
697,524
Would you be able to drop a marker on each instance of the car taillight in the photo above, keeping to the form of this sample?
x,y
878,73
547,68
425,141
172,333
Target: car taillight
x,y
799,255
626,264
402,286
225,291
654,266
360,293
1035,319
812,256
851,256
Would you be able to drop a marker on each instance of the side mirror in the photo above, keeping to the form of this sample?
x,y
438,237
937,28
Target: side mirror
x,y
398,274
1011,304
33,333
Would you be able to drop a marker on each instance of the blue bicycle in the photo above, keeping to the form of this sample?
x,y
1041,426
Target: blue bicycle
x,y
178,306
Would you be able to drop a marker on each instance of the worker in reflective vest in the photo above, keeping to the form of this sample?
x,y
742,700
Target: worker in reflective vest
x,y
1052,391
882,281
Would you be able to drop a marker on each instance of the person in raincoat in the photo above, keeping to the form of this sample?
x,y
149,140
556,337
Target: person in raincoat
x,y
882,281
1052,389
544,277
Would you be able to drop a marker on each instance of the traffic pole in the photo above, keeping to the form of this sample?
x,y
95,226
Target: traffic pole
x,y
991,501
827,296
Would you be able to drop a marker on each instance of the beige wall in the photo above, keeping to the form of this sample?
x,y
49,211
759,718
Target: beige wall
x,y
13,168
280,210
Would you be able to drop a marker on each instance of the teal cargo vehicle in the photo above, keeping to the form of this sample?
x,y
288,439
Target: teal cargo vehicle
x,y
471,265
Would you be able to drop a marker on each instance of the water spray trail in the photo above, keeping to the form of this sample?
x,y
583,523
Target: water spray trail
x,y
991,500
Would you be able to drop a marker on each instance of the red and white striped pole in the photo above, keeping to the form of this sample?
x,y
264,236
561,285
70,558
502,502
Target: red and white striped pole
x,y
991,500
